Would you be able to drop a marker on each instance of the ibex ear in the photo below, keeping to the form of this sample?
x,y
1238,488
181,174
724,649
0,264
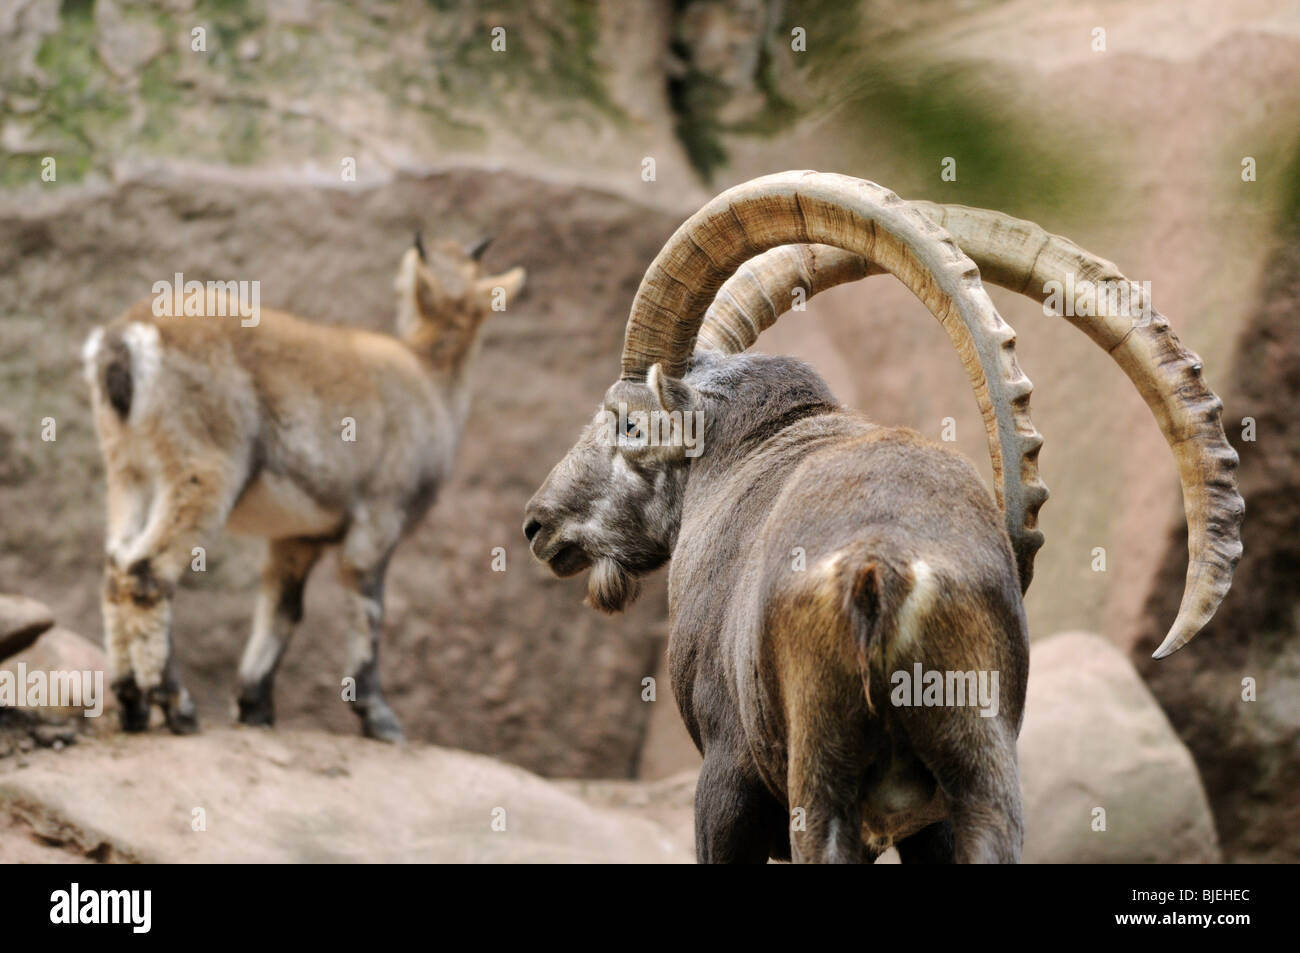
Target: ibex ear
x,y
413,293
496,292
672,393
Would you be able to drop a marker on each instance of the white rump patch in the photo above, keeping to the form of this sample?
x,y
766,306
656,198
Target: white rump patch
x,y
145,345
90,354
918,602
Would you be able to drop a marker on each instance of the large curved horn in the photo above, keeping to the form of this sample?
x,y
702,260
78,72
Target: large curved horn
x,y
762,290
1023,257
875,224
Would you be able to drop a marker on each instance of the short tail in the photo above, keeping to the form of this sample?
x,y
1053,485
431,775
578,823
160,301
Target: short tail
x,y
883,600
115,359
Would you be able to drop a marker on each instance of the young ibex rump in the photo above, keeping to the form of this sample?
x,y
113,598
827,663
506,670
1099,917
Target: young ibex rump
x,y
306,435
815,555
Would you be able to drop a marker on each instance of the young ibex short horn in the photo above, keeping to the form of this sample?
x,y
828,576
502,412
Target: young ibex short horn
x,y
816,557
306,435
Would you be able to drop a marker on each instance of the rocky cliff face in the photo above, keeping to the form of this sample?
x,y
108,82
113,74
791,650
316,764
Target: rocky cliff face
x,y
1236,700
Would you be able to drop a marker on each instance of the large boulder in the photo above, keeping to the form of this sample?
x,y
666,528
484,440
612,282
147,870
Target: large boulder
x,y
71,669
251,795
1095,739
668,804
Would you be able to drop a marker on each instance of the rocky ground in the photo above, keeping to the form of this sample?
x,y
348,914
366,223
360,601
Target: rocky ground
x,y
232,795
74,789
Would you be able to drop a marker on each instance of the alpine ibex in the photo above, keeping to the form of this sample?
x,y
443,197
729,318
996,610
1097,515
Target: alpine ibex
x,y
306,435
816,555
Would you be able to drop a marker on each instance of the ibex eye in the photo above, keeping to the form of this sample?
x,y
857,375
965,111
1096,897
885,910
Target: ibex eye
x,y
632,430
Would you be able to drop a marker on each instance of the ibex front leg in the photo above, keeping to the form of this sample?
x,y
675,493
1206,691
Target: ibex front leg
x,y
736,820
363,561
279,609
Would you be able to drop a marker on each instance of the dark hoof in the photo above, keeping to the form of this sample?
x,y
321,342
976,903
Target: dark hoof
x,y
257,710
379,722
132,705
184,724
182,719
133,718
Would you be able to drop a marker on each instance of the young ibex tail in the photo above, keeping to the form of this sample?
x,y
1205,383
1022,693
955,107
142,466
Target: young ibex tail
x,y
306,435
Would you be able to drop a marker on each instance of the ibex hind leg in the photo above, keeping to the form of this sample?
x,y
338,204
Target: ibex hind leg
x,y
142,657
129,497
975,765
191,499
173,698
279,609
829,754
988,825
828,759
932,844
826,809
363,561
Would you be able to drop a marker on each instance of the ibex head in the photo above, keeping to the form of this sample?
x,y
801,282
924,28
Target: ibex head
x,y
443,293
614,502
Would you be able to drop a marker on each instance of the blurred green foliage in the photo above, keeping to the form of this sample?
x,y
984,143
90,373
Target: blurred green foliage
x,y
226,105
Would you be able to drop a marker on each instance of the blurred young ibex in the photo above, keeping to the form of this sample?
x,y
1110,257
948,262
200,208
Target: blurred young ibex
x,y
306,435
817,556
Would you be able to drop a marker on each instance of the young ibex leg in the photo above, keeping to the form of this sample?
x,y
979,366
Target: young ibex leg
x,y
363,560
128,508
737,821
142,661
279,609
139,585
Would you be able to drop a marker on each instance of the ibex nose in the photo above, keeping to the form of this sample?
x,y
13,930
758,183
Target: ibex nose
x,y
532,528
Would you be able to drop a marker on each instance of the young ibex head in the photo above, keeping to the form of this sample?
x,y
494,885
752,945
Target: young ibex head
x,y
443,295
